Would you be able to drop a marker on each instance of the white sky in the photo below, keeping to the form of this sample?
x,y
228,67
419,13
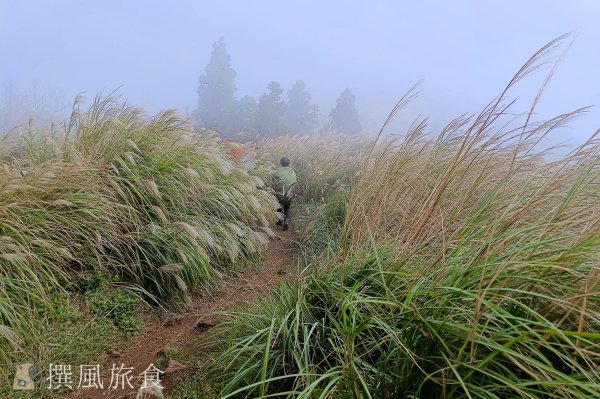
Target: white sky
x,y
465,51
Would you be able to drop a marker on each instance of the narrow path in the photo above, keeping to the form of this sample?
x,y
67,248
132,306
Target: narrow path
x,y
235,291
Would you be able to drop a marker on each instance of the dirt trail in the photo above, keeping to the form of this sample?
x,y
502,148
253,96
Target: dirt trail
x,y
183,329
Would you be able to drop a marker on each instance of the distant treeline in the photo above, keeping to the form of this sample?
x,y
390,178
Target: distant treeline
x,y
220,110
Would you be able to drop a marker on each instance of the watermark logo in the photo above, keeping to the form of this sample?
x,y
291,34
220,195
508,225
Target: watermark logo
x,y
152,377
24,377
89,377
121,376
86,376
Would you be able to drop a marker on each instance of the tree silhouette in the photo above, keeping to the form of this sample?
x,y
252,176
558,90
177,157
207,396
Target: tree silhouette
x,y
344,117
271,110
216,100
246,115
301,116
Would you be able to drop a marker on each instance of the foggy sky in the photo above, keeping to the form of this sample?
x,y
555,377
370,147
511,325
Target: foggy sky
x,y
154,51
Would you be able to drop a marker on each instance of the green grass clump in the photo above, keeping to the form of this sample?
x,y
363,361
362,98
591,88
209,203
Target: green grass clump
x,y
468,267
62,331
118,306
320,228
119,193
382,331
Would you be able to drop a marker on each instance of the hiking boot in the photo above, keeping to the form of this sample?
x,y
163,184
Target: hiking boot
x,y
285,227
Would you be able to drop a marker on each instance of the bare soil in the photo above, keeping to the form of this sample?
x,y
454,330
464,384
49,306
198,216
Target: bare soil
x,y
184,329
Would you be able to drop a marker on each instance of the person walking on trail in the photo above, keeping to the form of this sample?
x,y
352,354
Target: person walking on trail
x,y
284,183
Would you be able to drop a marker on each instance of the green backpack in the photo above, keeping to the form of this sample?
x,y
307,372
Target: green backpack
x,y
284,178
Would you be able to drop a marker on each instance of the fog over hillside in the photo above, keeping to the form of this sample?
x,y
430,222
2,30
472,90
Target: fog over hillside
x,y
465,52
316,199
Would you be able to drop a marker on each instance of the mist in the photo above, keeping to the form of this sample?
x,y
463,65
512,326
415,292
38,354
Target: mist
x,y
152,55
334,199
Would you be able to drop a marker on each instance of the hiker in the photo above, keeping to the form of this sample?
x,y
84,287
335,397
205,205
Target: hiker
x,y
284,183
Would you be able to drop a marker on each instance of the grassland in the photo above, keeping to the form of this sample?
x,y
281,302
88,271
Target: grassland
x,y
115,211
459,265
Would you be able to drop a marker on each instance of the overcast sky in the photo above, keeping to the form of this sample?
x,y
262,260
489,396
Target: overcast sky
x,y
465,51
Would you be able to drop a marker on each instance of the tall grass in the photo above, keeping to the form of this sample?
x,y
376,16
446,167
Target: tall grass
x,y
325,164
469,267
121,193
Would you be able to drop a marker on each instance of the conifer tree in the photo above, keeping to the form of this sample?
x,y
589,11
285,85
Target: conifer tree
x,y
216,101
301,116
246,115
271,111
344,117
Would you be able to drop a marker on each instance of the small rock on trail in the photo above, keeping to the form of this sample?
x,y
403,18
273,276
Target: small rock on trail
x,y
152,392
174,366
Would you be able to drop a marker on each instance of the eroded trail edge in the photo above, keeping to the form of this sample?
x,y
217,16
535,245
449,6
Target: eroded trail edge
x,y
182,330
